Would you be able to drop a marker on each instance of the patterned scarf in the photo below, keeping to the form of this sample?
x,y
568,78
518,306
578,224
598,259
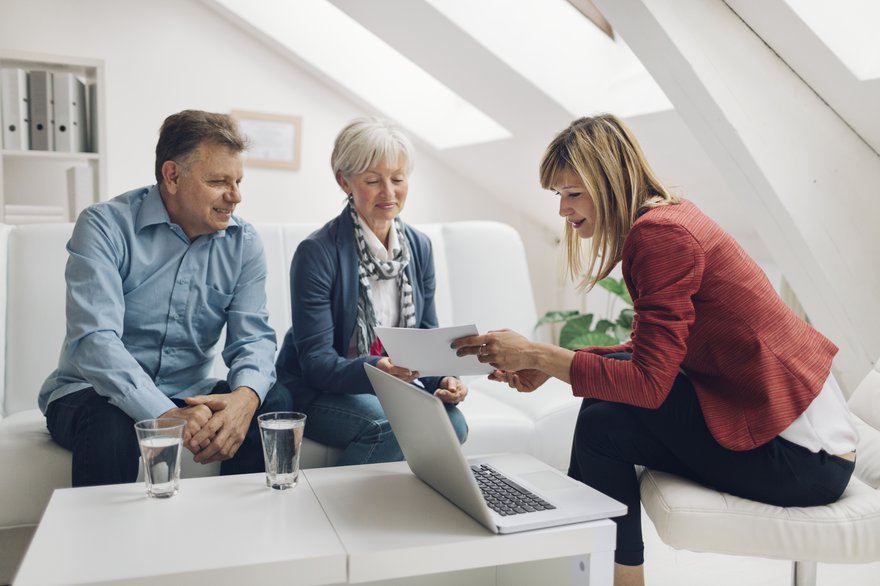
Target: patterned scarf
x,y
369,266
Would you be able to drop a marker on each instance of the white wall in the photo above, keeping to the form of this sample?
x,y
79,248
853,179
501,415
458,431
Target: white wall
x,y
163,56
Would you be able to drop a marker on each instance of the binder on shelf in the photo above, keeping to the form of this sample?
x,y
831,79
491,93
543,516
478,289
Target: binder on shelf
x,y
14,108
93,118
40,95
80,190
69,97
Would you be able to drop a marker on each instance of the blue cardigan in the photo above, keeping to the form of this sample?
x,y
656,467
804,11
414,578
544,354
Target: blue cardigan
x,y
324,298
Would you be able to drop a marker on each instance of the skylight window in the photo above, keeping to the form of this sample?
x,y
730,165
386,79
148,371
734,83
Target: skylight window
x,y
334,43
848,28
560,51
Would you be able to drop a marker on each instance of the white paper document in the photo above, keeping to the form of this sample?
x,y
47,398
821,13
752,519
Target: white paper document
x,y
429,352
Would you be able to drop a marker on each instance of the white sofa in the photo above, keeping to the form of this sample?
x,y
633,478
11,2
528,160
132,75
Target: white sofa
x,y
470,289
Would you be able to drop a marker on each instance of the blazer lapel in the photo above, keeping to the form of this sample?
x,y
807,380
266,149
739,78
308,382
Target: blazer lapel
x,y
348,278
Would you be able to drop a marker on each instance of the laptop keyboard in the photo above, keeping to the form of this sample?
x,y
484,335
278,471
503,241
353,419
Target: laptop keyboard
x,y
504,496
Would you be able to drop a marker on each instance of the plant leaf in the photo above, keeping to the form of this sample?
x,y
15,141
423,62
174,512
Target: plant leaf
x,y
618,287
552,317
587,339
574,328
603,325
625,319
613,285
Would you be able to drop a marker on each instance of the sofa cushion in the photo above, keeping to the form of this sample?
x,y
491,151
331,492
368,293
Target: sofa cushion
x,y
865,405
36,310
552,409
868,453
495,427
33,467
488,277
4,244
442,294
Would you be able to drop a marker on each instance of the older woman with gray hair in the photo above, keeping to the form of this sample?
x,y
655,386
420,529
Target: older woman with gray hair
x,y
363,269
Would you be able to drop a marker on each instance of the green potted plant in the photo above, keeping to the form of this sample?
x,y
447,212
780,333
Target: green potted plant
x,y
578,330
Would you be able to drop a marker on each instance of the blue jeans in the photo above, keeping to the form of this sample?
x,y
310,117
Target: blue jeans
x,y
104,444
357,424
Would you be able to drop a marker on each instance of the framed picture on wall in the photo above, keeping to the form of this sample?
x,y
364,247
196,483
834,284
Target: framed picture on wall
x,y
274,139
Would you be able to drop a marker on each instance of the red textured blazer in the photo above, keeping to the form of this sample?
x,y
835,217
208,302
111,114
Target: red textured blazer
x,y
703,306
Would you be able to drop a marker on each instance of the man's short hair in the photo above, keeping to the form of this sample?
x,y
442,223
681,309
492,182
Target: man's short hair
x,y
182,133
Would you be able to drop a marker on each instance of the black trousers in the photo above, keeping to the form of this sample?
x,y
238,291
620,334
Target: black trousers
x,y
104,444
610,438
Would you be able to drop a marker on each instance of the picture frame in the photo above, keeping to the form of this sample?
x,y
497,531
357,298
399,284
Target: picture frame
x,y
274,139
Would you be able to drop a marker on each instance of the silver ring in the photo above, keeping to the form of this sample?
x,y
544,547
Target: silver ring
x,y
482,347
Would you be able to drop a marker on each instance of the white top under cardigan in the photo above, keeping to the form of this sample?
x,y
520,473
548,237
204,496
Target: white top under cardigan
x,y
385,293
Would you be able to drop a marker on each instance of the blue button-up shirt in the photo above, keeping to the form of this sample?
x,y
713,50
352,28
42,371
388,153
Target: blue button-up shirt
x,y
146,307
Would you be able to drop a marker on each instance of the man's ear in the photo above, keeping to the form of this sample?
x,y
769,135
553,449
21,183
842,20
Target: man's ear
x,y
170,176
343,182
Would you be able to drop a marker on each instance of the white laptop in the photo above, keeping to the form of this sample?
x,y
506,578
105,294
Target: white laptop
x,y
431,448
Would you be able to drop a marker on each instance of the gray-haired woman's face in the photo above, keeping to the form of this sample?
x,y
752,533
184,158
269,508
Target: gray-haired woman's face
x,y
379,194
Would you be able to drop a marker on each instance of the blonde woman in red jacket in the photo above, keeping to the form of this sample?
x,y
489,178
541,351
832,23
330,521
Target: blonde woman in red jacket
x,y
720,382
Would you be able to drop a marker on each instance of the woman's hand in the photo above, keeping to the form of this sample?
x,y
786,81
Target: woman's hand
x,y
451,390
508,351
404,374
524,381
503,349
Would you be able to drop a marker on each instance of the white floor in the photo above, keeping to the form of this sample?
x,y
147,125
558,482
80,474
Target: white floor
x,y
665,566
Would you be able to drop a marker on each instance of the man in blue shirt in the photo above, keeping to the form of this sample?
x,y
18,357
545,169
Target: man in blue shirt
x,y
153,277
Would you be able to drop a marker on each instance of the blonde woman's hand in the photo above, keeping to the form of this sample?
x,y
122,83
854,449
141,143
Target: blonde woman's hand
x,y
503,349
524,381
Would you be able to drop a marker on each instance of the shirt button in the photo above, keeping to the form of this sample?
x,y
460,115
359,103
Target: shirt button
x,y
182,281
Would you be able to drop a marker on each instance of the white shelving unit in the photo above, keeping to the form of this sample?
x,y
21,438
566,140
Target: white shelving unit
x,y
33,183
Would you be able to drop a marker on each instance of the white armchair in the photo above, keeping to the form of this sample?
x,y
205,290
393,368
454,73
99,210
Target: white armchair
x,y
692,517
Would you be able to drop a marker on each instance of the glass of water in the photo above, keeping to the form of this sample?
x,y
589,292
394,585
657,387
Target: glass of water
x,y
161,443
281,433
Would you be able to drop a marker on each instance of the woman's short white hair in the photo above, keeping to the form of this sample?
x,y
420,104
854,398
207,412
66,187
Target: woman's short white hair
x,y
367,142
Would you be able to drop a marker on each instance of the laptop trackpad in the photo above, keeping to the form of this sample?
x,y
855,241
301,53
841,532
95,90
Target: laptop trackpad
x,y
546,480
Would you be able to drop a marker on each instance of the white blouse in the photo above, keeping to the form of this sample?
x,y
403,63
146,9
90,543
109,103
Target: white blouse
x,y
386,294
826,424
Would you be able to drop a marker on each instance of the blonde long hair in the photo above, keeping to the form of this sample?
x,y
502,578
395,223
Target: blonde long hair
x,y
604,153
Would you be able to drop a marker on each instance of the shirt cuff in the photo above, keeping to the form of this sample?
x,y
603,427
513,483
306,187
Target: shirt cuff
x,y
145,404
250,378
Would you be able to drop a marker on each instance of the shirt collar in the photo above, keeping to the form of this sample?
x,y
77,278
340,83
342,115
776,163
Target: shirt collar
x,y
152,210
376,246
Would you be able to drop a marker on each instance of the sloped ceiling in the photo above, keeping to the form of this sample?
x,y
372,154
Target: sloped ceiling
x,y
507,169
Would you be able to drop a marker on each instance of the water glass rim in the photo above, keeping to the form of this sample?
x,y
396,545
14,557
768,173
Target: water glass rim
x,y
282,415
164,423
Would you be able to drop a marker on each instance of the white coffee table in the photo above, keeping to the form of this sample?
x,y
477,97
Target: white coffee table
x,y
394,526
374,524
228,530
